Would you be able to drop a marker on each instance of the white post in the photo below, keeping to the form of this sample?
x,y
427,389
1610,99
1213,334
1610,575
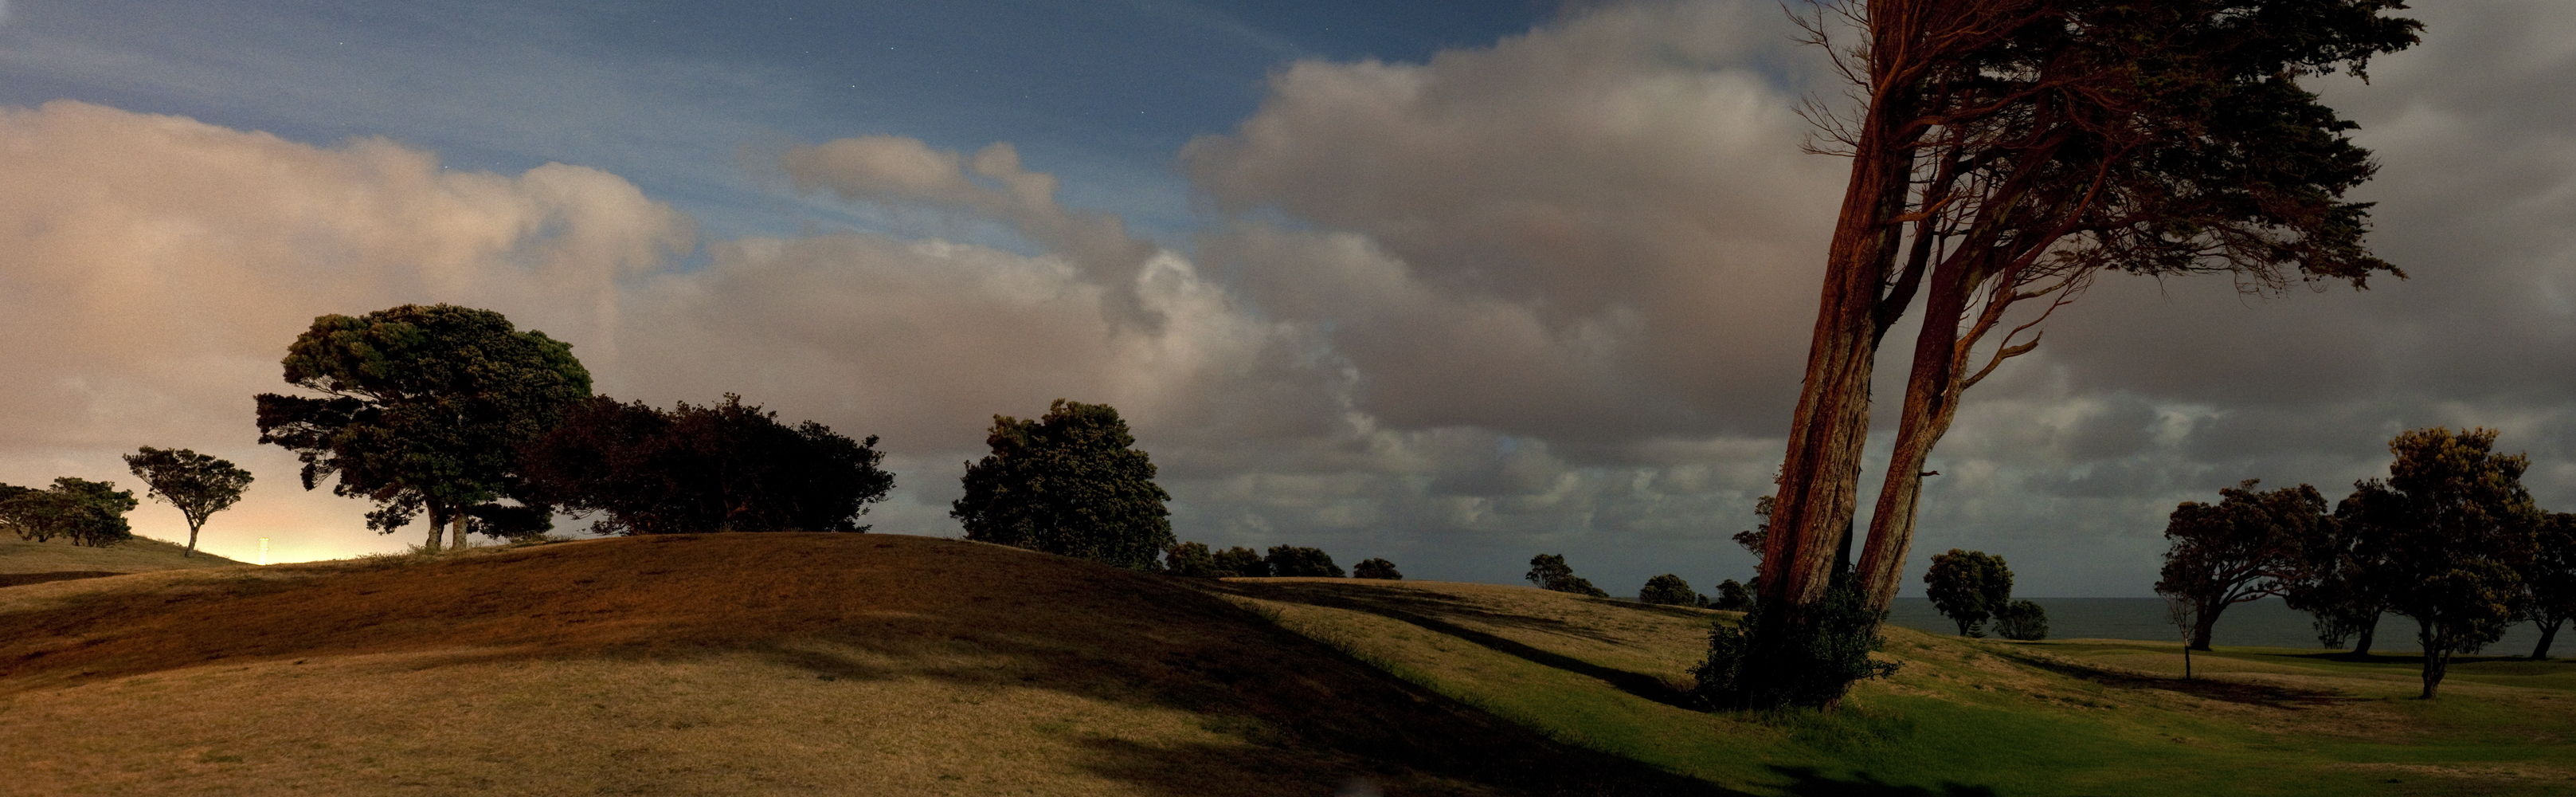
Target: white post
x,y
263,550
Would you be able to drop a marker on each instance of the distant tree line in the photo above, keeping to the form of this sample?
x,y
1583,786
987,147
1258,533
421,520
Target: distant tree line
x,y
2450,539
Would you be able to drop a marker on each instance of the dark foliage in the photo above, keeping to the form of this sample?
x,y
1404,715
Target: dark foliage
x,y
1190,560
422,408
1732,596
1550,572
2459,526
1968,587
86,512
517,523
1826,657
2248,546
2341,567
690,469
1377,569
199,485
2022,620
1069,483
1670,590
1753,539
1292,561
1242,562
2550,575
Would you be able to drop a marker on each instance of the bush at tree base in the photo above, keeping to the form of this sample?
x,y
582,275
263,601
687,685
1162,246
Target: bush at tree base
x,y
1812,665
2022,620
1377,569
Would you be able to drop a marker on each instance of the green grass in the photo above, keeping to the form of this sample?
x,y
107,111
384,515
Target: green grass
x,y
2089,717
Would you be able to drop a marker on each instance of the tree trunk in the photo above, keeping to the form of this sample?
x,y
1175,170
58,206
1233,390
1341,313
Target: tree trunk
x,y
2203,625
2186,662
2548,631
435,522
2437,656
2361,647
1931,403
193,525
456,539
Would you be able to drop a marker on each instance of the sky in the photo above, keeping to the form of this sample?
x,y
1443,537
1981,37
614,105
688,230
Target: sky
x,y
1449,283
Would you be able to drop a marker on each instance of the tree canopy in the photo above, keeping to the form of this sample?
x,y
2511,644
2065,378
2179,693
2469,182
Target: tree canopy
x,y
1670,590
88,513
2246,547
1968,587
719,467
2458,526
1070,482
2005,153
199,485
2551,578
1377,568
1297,561
422,408
1550,572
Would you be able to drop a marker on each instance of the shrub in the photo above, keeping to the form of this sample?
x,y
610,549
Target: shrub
x,y
1376,568
1292,561
2022,620
1670,590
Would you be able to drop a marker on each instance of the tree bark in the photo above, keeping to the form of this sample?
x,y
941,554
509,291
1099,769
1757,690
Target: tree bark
x,y
2361,647
194,524
1931,403
435,529
2205,624
456,539
2547,632
2437,656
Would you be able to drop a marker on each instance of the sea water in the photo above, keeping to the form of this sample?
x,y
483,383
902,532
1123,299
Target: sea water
x,y
2263,623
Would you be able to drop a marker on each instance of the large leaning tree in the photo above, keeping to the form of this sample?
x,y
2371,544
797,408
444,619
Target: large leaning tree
x,y
2246,547
421,409
1070,482
198,484
2004,153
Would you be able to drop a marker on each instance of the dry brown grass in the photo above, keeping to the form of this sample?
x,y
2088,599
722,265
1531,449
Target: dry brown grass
x,y
22,558
757,663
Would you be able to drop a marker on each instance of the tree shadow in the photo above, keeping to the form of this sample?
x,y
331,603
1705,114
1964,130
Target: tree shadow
x,y
1811,782
18,579
1420,611
2252,694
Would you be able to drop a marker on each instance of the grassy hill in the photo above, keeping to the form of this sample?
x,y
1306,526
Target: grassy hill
x,y
25,562
882,664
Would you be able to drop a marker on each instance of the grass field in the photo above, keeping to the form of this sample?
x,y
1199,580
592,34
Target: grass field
x,y
883,664
25,562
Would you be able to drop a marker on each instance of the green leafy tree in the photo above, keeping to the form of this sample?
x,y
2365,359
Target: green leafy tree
x,y
1670,590
2006,153
1242,562
1069,483
1293,561
2023,620
88,513
1190,560
199,485
2459,527
689,469
2246,547
2550,575
1550,572
2341,569
1968,587
1732,596
422,409
1376,568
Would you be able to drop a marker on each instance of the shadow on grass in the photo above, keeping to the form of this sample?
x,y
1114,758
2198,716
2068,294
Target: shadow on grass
x,y
1810,782
15,579
1422,610
2264,695
1191,770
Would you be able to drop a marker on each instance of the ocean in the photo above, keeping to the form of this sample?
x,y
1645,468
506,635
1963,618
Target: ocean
x,y
2264,623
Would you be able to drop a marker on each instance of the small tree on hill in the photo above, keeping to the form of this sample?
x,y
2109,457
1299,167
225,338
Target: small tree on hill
x,y
1670,590
2459,524
1376,568
1070,483
1240,561
2180,611
689,469
1296,561
2246,547
2023,620
1732,596
1968,587
88,513
2551,578
422,408
1550,572
199,485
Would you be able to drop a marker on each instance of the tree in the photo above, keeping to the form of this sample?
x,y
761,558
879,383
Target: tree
x,y
2550,575
1241,562
1190,560
2023,620
1294,561
1069,483
1550,572
88,513
2003,154
2182,613
1732,596
1968,587
1377,569
2246,547
199,485
2458,525
422,408
1670,590
689,469
2341,568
